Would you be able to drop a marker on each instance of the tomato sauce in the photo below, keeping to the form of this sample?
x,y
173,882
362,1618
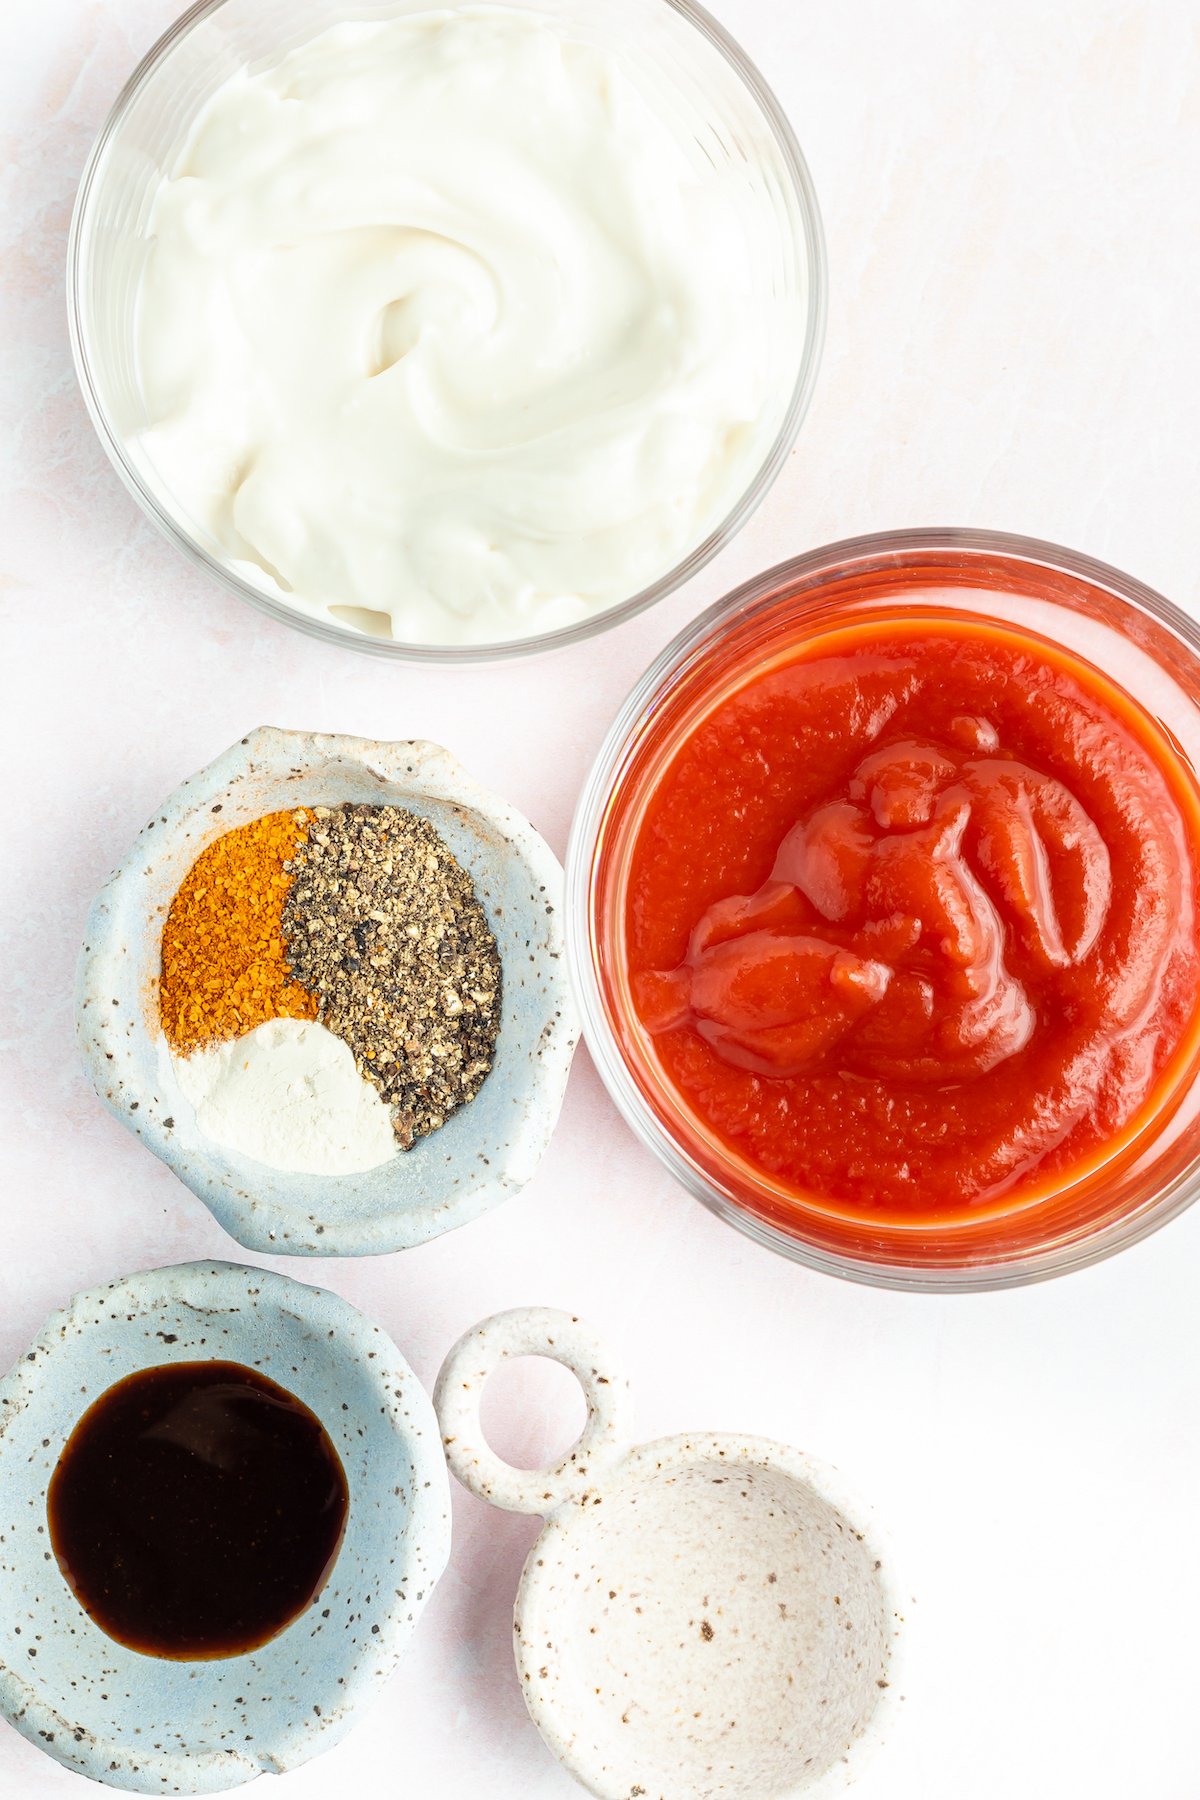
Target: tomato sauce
x,y
910,919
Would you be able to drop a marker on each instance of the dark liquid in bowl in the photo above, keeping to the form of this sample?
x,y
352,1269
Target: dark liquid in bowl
x,y
197,1509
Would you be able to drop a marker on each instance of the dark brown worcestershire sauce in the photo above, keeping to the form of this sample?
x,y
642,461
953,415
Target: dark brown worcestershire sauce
x,y
197,1509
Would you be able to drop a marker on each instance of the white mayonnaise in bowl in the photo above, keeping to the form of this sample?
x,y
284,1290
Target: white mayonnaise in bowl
x,y
452,333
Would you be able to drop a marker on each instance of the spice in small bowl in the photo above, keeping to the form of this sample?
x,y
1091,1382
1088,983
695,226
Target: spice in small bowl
x,y
333,997
385,927
330,987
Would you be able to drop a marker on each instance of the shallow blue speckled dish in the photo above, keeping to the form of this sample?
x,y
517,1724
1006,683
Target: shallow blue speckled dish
x,y
160,1727
488,1149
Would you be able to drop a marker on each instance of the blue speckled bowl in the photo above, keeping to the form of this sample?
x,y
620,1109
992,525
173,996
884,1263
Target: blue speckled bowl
x,y
159,1727
487,1150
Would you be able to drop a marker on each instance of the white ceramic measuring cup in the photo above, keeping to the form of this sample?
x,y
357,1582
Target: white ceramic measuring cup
x,y
707,1615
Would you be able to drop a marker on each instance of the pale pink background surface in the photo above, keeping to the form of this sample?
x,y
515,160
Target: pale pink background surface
x,y
1010,193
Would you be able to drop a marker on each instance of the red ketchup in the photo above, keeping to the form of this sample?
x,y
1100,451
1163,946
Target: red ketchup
x,y
911,919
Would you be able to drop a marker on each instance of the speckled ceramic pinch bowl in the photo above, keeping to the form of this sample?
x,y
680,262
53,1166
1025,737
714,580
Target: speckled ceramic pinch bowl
x,y
162,1727
485,1151
702,1616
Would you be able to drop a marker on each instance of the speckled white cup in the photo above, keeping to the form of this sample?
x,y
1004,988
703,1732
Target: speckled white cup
x,y
703,1616
485,1151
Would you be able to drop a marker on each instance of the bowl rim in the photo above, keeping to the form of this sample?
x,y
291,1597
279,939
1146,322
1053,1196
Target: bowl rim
x,y
241,1194
213,1285
804,196
871,550
538,1600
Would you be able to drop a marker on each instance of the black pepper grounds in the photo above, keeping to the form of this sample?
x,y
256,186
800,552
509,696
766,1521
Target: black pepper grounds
x,y
384,927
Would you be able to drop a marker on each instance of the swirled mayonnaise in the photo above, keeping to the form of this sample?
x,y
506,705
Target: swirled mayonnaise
x,y
453,332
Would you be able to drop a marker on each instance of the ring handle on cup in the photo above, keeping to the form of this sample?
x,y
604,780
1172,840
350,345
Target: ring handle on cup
x,y
529,1331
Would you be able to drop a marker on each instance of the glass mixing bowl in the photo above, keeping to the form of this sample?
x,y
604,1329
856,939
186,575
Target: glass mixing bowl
x,y
1144,643
691,61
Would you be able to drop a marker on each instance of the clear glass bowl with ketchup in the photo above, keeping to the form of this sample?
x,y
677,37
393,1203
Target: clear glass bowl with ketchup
x,y
884,900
